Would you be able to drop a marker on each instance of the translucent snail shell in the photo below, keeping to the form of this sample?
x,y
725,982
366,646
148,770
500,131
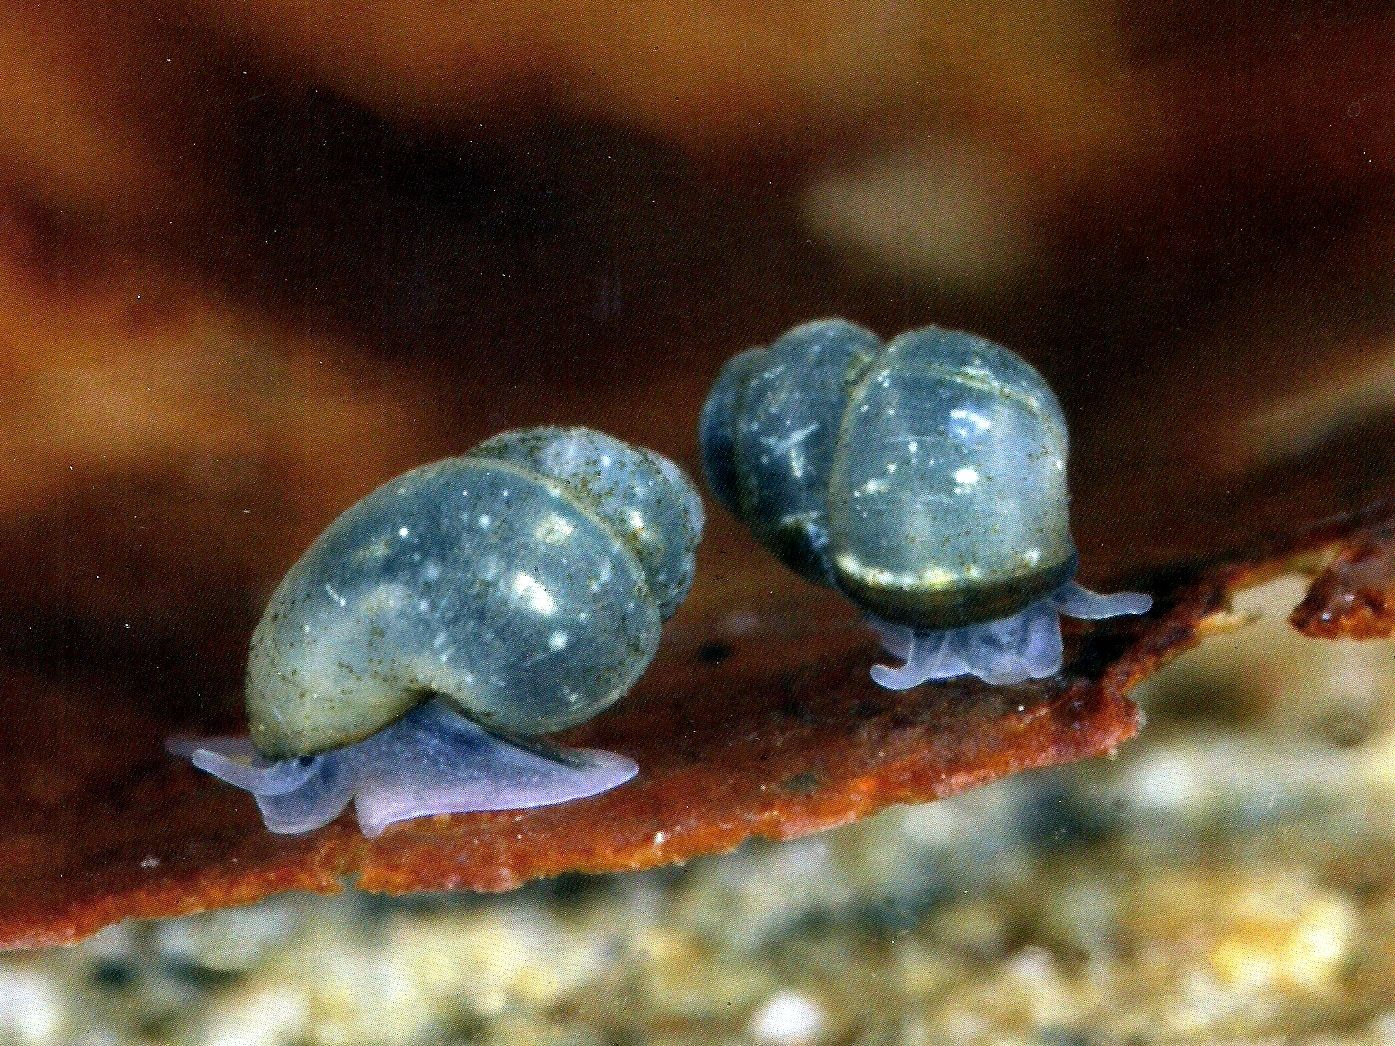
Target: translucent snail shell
x,y
924,478
455,611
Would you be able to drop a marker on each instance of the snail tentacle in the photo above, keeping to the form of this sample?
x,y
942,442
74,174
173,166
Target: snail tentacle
x,y
1081,603
924,656
237,761
314,804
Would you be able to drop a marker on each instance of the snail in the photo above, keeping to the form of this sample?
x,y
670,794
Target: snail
x,y
924,479
414,656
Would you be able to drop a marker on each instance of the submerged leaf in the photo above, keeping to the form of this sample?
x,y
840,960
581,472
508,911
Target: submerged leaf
x,y
758,725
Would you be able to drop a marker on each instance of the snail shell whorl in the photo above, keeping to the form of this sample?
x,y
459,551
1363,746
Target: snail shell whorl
x,y
769,430
525,583
642,496
924,478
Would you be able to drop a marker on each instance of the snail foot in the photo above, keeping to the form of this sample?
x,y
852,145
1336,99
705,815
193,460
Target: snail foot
x,y
1025,645
431,761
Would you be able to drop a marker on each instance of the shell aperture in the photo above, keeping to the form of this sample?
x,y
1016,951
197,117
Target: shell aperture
x,y
924,478
453,612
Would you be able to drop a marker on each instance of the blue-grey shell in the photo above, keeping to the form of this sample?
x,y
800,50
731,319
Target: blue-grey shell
x,y
925,477
524,583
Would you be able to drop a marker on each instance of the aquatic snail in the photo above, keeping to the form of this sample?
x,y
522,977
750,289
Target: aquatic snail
x,y
923,478
413,658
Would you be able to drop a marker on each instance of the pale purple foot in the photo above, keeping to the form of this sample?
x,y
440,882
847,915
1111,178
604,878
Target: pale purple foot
x,y
431,761
1026,645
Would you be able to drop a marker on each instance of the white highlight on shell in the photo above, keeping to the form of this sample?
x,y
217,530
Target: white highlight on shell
x,y
966,477
385,598
880,577
602,578
533,594
557,641
553,529
789,444
973,417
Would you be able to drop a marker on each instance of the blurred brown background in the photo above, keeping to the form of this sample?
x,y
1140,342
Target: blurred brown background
x,y
257,256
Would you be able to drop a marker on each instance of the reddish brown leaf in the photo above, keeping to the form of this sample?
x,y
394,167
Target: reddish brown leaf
x,y
1354,597
758,733
768,728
